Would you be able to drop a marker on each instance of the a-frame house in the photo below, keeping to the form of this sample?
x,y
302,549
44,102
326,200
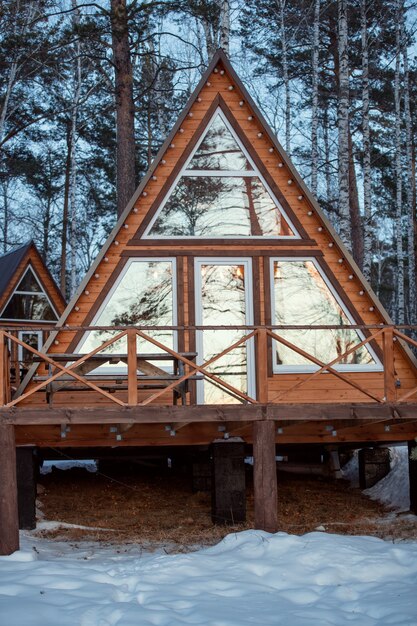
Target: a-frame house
x,y
222,307
30,301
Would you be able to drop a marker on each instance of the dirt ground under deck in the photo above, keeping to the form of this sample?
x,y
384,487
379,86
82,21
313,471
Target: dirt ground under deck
x,y
151,507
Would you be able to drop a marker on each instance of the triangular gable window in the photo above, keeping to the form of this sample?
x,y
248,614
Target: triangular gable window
x,y
29,301
302,296
220,194
219,150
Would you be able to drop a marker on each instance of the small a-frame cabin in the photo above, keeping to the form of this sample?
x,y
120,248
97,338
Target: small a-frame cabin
x,y
30,303
223,308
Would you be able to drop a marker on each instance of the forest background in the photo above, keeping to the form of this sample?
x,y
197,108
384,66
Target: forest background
x,y
90,90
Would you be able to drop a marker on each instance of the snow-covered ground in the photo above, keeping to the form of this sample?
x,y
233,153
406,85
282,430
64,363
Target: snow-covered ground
x,y
250,578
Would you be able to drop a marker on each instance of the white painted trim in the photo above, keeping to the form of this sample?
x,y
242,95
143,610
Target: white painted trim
x,y
250,352
108,370
30,293
283,369
225,174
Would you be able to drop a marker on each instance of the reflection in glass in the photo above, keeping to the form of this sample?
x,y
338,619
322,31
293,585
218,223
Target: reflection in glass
x,y
33,340
223,303
29,307
220,207
301,297
143,297
29,283
219,150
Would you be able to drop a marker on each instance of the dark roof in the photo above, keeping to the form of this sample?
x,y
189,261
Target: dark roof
x,y
9,263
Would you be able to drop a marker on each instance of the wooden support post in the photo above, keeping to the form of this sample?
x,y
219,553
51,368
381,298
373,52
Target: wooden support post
x,y
262,366
389,368
132,368
412,469
265,476
9,519
3,377
228,484
27,470
374,464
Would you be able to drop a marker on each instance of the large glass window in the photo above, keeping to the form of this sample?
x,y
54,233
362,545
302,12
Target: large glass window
x,y
143,296
219,194
29,301
224,299
302,296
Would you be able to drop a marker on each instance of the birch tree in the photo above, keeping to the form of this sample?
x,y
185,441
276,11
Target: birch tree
x,y
315,97
409,179
343,124
224,37
400,309
366,149
285,75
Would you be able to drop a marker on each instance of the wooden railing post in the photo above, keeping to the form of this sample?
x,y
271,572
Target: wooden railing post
x,y
132,368
389,369
262,365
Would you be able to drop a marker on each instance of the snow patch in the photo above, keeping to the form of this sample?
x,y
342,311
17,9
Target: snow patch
x,y
248,578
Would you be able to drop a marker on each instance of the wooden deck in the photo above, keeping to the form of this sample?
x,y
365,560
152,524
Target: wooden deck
x,y
64,402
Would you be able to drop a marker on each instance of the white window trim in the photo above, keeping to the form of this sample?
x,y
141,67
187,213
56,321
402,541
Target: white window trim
x,y
108,370
224,174
287,369
42,292
21,335
250,352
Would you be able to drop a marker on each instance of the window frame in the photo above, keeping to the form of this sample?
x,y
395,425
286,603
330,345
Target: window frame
x,y
254,172
249,302
110,371
20,336
42,292
288,369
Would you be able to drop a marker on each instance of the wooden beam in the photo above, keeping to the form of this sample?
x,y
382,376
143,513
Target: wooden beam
x,y
265,476
157,414
9,518
389,367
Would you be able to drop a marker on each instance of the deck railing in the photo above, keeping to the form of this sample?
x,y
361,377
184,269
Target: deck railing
x,y
64,368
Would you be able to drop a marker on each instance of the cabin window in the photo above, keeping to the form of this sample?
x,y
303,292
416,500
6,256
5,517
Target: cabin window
x,y
33,338
144,295
220,194
29,301
302,295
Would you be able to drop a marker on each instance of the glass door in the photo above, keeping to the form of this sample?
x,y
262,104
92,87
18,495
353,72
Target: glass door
x,y
224,298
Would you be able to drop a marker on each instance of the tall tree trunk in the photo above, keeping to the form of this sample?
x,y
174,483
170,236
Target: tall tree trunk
x,y
343,124
366,134
354,208
65,211
285,75
73,157
125,110
315,97
409,185
400,309
224,25
327,167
